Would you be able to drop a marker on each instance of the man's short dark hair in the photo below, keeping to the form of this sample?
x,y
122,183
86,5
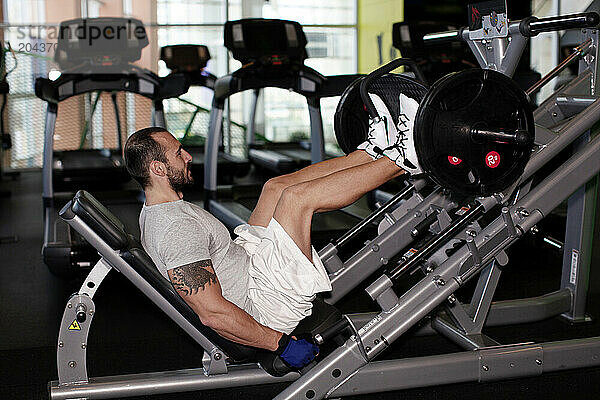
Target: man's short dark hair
x,y
140,150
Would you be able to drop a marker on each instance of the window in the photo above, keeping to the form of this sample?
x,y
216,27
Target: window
x,y
281,115
330,28
24,111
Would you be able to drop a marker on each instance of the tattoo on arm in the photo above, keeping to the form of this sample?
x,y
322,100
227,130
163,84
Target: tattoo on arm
x,y
190,278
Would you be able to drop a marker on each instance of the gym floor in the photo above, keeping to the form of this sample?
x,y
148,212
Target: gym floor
x,y
131,335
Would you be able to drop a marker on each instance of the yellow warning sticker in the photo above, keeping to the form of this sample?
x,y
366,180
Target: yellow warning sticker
x,y
74,326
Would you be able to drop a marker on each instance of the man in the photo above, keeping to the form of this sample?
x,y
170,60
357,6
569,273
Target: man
x,y
255,289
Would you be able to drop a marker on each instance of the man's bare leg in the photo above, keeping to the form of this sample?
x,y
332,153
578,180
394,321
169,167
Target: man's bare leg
x,y
299,202
272,189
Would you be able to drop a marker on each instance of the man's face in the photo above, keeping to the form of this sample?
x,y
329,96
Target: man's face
x,y
178,162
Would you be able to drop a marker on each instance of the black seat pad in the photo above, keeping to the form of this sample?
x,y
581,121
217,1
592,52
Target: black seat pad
x,y
143,264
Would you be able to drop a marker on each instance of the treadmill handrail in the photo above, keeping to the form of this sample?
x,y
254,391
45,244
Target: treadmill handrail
x,y
300,79
201,79
335,85
228,85
144,83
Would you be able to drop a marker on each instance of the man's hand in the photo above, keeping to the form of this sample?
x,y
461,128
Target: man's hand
x,y
296,353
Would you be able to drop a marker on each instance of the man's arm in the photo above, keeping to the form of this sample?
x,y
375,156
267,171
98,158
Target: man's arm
x,y
199,286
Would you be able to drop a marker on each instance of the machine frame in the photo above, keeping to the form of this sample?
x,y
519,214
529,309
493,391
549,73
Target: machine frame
x,y
350,369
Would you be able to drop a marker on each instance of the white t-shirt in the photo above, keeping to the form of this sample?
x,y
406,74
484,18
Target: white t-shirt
x,y
178,233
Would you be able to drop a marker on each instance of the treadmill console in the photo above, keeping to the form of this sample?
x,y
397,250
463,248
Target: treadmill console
x,y
100,42
434,60
185,57
266,41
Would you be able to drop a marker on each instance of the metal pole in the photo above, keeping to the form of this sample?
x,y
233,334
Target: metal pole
x,y
432,245
580,51
374,216
575,128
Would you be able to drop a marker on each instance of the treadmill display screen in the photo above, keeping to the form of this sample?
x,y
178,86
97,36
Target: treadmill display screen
x,y
185,57
100,42
265,39
254,39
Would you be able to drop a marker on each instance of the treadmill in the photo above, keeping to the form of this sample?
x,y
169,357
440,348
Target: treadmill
x,y
105,66
261,52
191,60
83,167
272,53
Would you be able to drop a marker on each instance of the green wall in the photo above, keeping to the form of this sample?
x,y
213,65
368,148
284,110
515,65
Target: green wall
x,y
375,19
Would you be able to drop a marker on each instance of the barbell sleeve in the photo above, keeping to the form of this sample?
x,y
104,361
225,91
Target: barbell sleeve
x,y
518,137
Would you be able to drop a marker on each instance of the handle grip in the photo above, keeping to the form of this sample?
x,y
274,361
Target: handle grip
x,y
330,332
443,37
389,67
528,27
531,26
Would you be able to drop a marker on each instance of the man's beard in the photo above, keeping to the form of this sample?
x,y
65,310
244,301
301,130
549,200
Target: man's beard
x,y
179,179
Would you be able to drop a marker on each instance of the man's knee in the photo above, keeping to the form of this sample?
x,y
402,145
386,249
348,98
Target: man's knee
x,y
296,196
276,185
359,157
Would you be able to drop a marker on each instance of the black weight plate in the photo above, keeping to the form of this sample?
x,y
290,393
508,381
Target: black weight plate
x,y
351,120
455,104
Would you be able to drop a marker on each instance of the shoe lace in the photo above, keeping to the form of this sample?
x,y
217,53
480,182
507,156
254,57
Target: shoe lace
x,y
402,135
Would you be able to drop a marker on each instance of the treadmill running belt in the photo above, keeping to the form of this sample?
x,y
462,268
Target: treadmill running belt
x,y
280,161
325,226
86,159
76,169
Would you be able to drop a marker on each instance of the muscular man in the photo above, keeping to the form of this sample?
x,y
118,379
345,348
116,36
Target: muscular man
x,y
255,289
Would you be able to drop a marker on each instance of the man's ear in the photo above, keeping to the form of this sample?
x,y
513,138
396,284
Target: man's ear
x,y
158,168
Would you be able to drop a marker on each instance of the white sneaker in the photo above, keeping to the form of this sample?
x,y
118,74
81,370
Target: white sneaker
x,y
382,132
402,150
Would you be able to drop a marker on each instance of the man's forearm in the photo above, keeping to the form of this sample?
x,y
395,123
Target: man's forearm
x,y
199,286
235,324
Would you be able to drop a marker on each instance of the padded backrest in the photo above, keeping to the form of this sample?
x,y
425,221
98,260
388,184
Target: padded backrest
x,y
145,267
98,218
112,231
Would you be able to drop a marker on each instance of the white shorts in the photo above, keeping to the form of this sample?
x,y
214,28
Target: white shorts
x,y
283,282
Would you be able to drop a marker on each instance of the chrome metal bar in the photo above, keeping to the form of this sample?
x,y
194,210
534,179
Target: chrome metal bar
x,y
468,366
154,383
373,216
434,244
580,51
